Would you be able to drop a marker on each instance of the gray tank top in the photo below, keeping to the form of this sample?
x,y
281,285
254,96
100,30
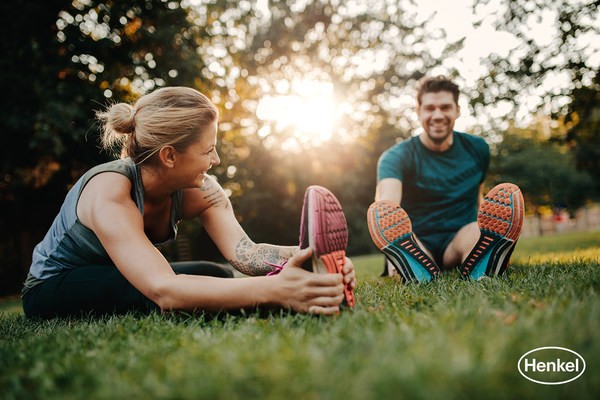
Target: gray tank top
x,y
69,244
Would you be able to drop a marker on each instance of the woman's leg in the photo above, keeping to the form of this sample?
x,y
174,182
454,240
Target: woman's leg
x,y
89,290
205,268
100,290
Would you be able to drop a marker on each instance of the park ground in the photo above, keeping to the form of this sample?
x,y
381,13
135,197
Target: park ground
x,y
447,339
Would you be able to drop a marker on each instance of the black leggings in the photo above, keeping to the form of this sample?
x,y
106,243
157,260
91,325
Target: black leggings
x,y
100,290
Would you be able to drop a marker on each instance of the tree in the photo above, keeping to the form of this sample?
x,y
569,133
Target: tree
x,y
370,55
557,74
583,118
61,60
545,171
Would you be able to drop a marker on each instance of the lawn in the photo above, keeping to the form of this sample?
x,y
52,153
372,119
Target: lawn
x,y
446,340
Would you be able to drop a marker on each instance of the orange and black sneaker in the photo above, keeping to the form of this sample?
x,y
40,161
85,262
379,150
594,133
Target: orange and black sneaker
x,y
391,231
500,220
323,228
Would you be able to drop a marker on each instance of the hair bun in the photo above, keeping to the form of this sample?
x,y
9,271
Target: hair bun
x,y
121,117
175,116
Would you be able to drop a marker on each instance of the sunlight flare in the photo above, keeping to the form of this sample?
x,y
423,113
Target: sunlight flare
x,y
309,111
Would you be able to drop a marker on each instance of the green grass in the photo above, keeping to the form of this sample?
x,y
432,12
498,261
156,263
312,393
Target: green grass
x,y
446,340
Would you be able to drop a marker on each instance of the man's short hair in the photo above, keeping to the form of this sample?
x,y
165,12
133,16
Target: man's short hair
x,y
436,84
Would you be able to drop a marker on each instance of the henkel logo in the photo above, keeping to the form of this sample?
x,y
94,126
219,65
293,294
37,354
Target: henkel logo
x,y
551,365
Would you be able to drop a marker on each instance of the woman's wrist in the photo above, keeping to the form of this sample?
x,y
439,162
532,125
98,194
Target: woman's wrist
x,y
269,291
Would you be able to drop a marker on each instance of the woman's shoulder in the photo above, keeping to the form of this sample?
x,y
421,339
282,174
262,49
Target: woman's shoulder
x,y
112,172
105,190
124,166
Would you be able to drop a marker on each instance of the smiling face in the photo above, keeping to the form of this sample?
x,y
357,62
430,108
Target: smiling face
x,y
194,162
437,113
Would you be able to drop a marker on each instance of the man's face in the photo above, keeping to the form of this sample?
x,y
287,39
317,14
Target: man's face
x,y
437,113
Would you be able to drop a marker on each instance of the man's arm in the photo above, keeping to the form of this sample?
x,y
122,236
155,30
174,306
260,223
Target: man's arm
x,y
480,196
389,189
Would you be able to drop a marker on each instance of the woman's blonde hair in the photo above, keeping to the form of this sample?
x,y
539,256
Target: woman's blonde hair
x,y
171,116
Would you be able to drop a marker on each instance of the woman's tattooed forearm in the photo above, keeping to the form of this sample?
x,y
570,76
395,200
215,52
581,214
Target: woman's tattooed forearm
x,y
252,258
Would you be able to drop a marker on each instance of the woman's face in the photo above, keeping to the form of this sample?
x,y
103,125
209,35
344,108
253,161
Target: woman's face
x,y
196,160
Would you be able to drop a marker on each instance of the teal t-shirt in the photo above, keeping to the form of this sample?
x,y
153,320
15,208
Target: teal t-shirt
x,y
439,189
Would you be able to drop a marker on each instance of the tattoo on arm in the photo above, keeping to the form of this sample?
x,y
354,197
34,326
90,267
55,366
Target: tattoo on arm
x,y
213,195
250,257
214,198
206,185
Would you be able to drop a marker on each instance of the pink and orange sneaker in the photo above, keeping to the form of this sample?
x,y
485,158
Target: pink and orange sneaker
x,y
323,228
391,231
500,220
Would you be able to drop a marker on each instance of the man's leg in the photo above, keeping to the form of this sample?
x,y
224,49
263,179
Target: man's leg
x,y
461,245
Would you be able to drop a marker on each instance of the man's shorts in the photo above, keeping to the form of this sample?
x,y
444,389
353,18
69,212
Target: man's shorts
x,y
437,243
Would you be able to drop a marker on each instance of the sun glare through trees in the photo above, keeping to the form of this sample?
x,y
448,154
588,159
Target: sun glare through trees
x,y
309,112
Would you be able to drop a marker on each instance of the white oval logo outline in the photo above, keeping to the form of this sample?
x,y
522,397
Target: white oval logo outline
x,y
551,348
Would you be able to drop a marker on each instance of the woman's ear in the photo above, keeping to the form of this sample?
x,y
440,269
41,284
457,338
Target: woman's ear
x,y
167,155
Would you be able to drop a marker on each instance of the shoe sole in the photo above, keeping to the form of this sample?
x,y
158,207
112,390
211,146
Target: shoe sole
x,y
391,231
500,219
327,234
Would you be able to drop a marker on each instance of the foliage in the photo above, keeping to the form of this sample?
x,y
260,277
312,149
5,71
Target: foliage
x,y
558,75
64,59
330,43
61,61
545,171
399,339
584,114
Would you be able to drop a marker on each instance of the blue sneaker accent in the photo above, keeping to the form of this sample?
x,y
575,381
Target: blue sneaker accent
x,y
500,220
391,231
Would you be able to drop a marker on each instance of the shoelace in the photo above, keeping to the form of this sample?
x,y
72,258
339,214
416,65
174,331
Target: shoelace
x,y
277,267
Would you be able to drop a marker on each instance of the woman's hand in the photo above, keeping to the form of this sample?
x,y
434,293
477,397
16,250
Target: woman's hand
x,y
349,274
308,292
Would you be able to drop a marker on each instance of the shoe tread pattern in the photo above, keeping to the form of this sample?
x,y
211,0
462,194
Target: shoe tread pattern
x,y
391,231
330,233
500,220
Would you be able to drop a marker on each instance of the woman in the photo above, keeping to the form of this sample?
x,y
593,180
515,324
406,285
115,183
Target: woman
x,y
99,255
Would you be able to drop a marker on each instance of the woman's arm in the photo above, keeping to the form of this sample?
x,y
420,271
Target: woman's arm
x,y
212,205
258,258
105,206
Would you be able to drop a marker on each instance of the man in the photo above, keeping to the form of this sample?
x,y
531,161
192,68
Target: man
x,y
436,179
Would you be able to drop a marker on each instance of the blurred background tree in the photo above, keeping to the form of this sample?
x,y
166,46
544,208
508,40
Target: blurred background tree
x,y
544,170
554,72
61,60
323,89
310,92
